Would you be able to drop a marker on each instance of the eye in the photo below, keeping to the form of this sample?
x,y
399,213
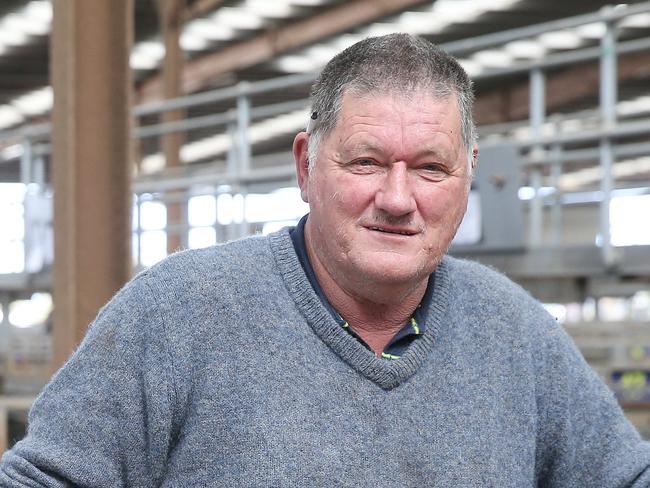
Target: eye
x,y
434,172
365,165
365,162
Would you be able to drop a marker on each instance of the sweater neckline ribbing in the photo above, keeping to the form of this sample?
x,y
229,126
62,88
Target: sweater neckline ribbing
x,y
385,373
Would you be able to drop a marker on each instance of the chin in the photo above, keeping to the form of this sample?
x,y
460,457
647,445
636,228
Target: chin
x,y
389,270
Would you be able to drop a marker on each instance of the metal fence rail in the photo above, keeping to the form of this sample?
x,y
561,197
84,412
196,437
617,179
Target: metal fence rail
x,y
543,155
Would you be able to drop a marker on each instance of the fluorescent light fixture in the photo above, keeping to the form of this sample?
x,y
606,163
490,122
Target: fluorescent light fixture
x,y
39,11
153,49
34,103
147,55
380,29
16,29
562,39
12,152
525,49
10,37
152,163
345,41
21,23
142,62
499,5
281,124
638,105
307,3
320,54
276,9
638,21
9,116
205,148
591,31
472,68
419,23
192,42
210,30
238,18
451,11
295,64
587,176
492,58
572,125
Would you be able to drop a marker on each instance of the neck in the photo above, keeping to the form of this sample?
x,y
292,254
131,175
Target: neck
x,y
377,312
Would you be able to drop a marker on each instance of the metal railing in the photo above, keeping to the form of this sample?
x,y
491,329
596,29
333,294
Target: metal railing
x,y
543,155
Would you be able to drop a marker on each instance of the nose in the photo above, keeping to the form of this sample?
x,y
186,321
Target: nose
x,y
395,195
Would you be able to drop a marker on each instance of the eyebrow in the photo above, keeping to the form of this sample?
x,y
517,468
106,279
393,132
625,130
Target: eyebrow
x,y
363,147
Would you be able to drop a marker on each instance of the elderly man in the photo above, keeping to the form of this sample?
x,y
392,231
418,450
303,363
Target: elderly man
x,y
348,351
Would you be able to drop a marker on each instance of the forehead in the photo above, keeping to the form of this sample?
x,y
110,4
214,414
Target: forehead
x,y
413,118
419,109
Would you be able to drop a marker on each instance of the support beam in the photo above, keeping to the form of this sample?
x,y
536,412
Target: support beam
x,y
170,13
200,8
511,102
90,50
200,72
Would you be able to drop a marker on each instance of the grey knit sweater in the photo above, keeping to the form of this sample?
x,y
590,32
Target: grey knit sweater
x,y
221,367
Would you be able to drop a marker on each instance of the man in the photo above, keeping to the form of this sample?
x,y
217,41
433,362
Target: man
x,y
348,351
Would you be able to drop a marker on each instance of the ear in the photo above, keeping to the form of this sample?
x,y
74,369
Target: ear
x,y
301,158
474,156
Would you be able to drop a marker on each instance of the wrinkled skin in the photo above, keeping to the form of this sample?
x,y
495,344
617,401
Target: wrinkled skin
x,y
386,193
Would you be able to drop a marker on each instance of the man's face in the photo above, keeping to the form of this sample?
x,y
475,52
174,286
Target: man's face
x,y
388,188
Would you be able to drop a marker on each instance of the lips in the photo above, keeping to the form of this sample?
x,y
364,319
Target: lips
x,y
389,230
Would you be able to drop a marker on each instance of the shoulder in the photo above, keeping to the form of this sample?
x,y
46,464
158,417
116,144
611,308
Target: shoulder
x,y
481,291
472,277
236,261
242,253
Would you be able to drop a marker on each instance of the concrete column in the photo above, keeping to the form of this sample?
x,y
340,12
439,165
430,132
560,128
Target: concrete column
x,y
90,72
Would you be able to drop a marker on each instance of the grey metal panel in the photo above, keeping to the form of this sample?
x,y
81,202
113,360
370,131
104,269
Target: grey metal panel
x,y
497,181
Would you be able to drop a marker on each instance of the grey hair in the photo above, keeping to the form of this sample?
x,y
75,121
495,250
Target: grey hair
x,y
395,63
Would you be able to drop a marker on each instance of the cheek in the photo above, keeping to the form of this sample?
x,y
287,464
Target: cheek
x,y
444,206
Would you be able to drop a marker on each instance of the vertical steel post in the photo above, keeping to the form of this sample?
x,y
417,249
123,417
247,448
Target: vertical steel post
x,y
26,178
608,96
537,113
138,231
243,122
556,211
244,148
5,326
233,165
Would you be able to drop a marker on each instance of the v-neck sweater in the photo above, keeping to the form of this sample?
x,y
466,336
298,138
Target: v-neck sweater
x,y
400,342
222,367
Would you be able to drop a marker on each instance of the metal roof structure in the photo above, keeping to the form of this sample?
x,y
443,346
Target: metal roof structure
x,y
227,42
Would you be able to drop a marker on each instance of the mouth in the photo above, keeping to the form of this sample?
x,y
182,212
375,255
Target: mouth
x,y
388,230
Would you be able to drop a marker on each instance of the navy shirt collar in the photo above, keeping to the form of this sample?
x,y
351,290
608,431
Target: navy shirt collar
x,y
402,339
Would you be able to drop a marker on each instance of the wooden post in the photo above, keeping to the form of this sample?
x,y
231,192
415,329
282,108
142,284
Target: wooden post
x,y
91,78
170,13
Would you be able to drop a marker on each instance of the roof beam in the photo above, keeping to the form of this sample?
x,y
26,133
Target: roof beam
x,y
201,71
200,8
511,102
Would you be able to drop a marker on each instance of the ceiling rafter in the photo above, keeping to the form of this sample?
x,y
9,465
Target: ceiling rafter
x,y
511,102
199,72
200,8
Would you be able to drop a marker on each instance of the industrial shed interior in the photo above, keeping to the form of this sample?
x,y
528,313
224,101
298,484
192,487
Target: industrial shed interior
x,y
132,129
